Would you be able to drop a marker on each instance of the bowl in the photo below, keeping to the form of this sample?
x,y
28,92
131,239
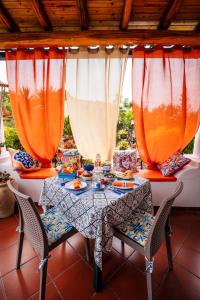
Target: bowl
x,y
106,169
88,167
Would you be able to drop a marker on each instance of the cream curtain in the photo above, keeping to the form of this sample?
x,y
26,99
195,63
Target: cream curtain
x,y
94,85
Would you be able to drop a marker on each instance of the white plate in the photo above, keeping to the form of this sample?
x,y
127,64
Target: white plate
x,y
70,186
123,187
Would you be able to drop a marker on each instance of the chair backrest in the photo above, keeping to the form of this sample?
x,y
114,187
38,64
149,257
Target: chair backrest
x,y
157,233
30,222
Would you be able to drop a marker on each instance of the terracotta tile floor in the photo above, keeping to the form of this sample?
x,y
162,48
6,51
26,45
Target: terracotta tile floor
x,y
70,276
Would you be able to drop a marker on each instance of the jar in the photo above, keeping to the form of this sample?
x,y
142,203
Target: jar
x,y
7,201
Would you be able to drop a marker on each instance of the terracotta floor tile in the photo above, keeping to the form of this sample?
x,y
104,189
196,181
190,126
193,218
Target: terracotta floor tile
x,y
8,222
111,262
76,282
179,285
61,258
189,259
21,284
125,251
51,293
160,264
193,240
8,257
129,283
178,237
185,218
105,295
8,237
77,241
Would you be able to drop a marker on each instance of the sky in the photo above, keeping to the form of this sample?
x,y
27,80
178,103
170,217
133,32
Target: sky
x,y
126,92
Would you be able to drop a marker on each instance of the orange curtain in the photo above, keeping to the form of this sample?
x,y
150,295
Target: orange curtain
x,y
166,101
36,81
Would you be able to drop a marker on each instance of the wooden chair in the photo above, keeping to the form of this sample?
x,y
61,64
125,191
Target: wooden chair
x,y
44,232
145,233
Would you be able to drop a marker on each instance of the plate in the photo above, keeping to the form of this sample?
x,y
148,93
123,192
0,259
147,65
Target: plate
x,y
70,186
85,178
123,187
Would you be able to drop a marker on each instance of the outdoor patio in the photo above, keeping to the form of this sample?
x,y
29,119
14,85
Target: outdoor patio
x,y
100,149
70,276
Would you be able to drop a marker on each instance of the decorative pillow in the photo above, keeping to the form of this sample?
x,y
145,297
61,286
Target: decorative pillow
x,y
173,164
22,161
124,160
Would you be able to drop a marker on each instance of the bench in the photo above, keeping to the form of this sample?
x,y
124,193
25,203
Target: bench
x,y
31,183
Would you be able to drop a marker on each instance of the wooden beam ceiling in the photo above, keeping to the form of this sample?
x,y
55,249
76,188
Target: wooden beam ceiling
x,y
7,20
169,14
41,15
126,14
198,27
88,38
82,6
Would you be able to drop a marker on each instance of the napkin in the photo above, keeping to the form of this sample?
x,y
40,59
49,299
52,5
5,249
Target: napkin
x,y
120,183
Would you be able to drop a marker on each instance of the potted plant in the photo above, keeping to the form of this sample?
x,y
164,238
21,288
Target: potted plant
x,y
88,165
7,200
123,134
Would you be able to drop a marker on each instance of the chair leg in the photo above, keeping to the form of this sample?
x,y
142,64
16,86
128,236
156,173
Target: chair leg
x,y
19,250
87,249
149,282
169,250
43,276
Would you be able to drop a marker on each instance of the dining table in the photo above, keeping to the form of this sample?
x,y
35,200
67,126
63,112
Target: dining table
x,y
95,213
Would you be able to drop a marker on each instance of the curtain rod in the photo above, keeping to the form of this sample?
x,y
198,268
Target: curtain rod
x,y
108,49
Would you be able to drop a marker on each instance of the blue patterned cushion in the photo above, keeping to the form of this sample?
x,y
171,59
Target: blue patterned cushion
x,y
55,224
22,161
138,227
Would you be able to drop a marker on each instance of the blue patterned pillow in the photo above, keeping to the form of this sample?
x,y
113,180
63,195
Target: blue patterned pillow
x,y
22,161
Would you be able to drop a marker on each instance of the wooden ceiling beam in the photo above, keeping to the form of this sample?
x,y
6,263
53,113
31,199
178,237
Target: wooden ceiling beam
x,y
82,6
169,14
197,27
126,14
7,20
41,15
102,38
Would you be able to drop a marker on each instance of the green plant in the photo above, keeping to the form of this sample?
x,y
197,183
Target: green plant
x,y
123,145
11,138
67,127
88,162
4,176
189,148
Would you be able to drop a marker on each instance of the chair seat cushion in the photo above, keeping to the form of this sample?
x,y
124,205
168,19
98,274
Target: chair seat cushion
x,y
55,224
138,227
